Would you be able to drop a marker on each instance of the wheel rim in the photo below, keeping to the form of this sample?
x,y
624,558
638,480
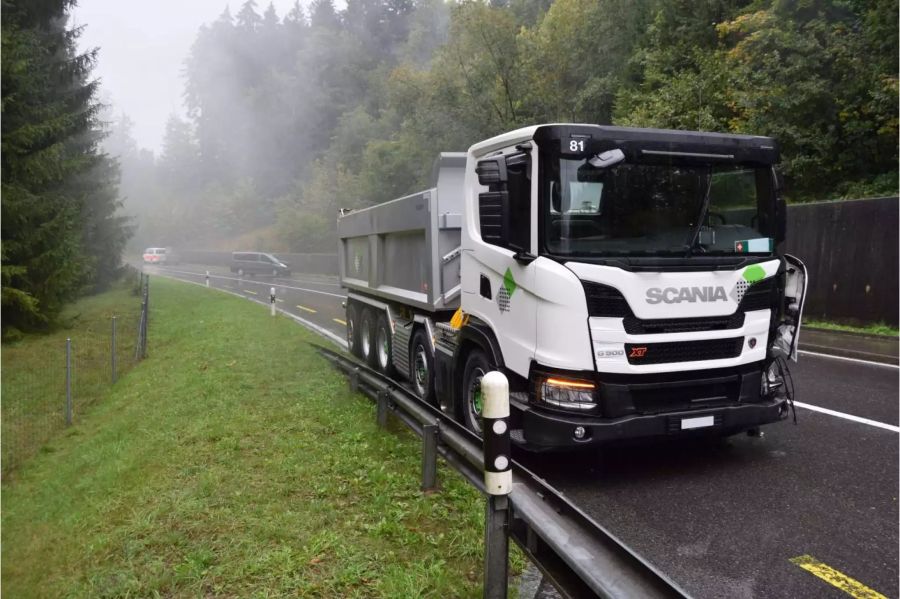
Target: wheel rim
x,y
366,343
475,401
420,370
382,344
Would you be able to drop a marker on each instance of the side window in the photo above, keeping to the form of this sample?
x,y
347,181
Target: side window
x,y
504,210
518,169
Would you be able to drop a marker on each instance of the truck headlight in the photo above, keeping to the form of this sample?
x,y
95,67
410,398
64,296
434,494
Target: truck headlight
x,y
567,394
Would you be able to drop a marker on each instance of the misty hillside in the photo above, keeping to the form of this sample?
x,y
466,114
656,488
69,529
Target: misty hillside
x,y
292,116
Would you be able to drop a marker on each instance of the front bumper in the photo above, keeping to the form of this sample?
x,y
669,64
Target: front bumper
x,y
554,431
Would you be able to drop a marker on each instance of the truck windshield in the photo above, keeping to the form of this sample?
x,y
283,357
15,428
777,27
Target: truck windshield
x,y
653,209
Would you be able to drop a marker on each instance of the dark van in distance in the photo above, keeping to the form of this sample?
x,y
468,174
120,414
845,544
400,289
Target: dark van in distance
x,y
251,263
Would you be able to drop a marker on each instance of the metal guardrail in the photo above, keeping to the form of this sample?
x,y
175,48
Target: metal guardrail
x,y
576,554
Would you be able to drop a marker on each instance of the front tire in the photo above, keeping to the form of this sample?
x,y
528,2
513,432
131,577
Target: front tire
x,y
421,366
477,365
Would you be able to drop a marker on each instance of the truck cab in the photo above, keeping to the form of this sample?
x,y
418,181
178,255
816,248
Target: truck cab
x,y
629,282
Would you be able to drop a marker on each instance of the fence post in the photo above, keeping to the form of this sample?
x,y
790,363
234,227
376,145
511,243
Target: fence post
x,y
272,301
68,382
113,350
497,483
429,456
146,317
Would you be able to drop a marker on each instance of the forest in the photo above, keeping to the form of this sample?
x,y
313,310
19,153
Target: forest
x,y
289,117
63,228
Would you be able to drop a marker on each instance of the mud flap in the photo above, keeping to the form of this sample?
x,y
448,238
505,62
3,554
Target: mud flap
x,y
788,333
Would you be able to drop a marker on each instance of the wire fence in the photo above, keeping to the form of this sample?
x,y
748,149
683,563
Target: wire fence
x,y
48,382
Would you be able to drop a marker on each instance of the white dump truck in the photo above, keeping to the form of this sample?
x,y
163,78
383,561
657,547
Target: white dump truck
x,y
629,282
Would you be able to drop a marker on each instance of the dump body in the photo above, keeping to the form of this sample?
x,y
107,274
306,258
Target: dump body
x,y
407,250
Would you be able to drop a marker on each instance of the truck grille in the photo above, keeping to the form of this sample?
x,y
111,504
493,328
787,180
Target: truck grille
x,y
683,351
759,296
603,300
637,326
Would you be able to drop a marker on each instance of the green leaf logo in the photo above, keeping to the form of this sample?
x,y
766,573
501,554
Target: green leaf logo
x,y
754,273
509,283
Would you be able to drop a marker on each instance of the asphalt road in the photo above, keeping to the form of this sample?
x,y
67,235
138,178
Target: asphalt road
x,y
723,519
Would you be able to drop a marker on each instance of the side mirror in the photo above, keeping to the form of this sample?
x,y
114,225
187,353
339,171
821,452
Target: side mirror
x,y
491,171
607,159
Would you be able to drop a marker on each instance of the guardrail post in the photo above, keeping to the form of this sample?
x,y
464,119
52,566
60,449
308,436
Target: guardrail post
x,y
272,301
497,483
207,278
429,456
68,382
382,405
112,353
354,380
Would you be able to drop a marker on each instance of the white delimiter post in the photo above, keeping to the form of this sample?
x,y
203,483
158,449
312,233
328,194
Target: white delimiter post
x,y
497,483
272,300
207,278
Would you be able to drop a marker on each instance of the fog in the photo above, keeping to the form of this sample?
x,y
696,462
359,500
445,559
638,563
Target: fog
x,y
143,46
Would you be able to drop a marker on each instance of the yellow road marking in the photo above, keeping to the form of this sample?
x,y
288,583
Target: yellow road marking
x,y
306,309
253,292
339,321
851,586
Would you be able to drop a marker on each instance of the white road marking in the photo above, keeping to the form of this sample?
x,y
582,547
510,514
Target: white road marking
x,y
869,362
875,423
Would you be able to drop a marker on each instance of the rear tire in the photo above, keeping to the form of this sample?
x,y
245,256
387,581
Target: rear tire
x,y
353,330
477,365
367,338
384,346
421,367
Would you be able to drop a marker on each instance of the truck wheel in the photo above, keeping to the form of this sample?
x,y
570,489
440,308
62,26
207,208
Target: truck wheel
x,y
353,330
384,346
421,366
477,365
367,337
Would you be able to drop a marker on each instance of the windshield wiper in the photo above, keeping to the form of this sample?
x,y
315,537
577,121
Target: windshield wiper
x,y
692,240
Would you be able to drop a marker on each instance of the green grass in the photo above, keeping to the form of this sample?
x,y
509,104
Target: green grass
x,y
33,369
234,462
878,328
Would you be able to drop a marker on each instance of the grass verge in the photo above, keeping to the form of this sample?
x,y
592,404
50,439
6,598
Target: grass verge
x,y
235,462
33,370
878,328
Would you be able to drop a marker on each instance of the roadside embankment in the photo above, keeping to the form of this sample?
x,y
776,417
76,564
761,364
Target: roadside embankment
x,y
234,462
